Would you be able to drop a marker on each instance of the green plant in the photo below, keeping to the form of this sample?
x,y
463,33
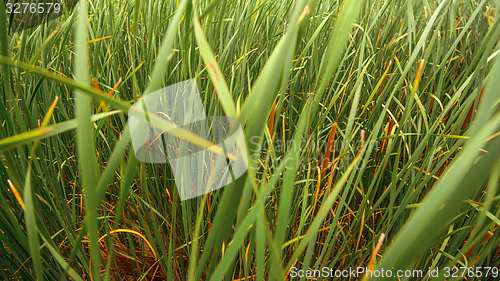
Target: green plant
x,y
403,90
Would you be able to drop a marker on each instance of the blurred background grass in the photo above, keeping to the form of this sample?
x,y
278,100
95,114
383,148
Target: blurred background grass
x,y
405,93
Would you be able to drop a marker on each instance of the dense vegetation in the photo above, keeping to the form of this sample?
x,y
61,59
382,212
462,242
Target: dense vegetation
x,y
401,97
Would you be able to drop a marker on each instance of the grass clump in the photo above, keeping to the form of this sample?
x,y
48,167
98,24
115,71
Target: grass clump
x,y
371,126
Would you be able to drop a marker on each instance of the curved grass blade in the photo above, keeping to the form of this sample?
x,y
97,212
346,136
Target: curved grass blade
x,y
214,71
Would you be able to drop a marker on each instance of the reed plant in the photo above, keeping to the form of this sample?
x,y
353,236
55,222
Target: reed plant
x,y
372,130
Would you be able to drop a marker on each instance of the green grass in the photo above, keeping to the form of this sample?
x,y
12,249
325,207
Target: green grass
x,y
407,91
